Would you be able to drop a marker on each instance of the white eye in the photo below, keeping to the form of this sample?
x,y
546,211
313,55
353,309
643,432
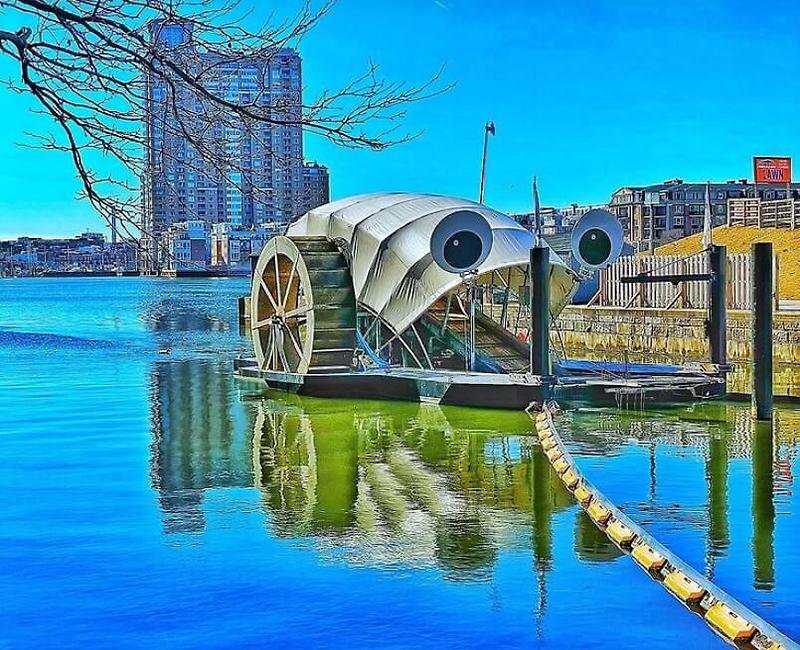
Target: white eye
x,y
455,242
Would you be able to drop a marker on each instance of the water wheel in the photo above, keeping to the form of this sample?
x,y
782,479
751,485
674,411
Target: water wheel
x,y
303,307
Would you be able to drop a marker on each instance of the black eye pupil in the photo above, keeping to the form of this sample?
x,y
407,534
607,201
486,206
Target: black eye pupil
x,y
463,250
595,246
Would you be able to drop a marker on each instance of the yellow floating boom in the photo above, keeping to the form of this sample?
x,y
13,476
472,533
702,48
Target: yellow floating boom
x,y
724,615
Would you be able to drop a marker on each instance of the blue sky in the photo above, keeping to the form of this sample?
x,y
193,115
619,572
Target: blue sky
x,y
588,95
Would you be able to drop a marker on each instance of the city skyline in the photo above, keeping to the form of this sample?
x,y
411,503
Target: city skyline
x,y
579,96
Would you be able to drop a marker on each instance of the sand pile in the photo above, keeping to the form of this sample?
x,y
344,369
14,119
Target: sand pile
x,y
785,244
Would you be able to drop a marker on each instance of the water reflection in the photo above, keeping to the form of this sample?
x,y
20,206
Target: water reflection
x,y
382,484
174,315
763,507
385,484
592,544
717,479
405,484
720,433
194,440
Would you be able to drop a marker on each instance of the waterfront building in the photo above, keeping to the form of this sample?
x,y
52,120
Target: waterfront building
x,y
656,214
555,220
232,246
87,252
186,245
262,177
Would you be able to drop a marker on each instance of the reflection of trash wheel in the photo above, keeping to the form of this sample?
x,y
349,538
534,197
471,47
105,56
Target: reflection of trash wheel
x,y
303,307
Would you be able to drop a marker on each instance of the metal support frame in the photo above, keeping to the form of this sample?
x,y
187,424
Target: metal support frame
x,y
398,336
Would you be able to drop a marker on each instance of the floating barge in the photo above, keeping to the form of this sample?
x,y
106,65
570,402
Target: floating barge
x,y
487,390
375,297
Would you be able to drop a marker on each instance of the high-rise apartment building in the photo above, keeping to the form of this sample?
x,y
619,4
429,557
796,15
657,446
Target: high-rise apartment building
x,y
316,186
205,165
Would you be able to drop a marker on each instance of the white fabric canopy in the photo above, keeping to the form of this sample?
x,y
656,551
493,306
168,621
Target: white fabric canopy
x,y
388,237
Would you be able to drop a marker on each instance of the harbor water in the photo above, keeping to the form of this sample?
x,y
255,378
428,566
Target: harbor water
x,y
148,498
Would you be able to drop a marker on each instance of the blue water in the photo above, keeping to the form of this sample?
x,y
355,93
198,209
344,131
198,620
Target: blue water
x,y
148,498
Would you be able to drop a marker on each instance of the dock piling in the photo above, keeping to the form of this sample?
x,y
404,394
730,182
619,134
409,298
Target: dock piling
x,y
762,330
540,312
718,321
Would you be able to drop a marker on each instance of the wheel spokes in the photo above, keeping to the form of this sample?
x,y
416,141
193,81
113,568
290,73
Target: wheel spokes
x,y
300,312
295,343
279,299
279,347
268,293
267,352
289,284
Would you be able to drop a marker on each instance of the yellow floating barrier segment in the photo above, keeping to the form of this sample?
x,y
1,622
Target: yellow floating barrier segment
x,y
728,618
553,453
598,513
683,587
619,533
729,623
560,465
548,443
570,478
648,558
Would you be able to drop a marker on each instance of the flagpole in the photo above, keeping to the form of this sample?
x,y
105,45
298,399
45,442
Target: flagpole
x,y
537,215
707,219
488,128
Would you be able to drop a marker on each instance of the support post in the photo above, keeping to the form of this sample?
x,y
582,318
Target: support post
x,y
718,320
540,312
762,330
472,326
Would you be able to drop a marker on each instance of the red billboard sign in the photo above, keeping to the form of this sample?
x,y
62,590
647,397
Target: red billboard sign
x,y
772,170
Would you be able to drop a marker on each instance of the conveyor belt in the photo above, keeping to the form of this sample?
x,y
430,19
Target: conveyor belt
x,y
497,347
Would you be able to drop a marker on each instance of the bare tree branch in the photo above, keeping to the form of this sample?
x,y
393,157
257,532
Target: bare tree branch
x,y
125,98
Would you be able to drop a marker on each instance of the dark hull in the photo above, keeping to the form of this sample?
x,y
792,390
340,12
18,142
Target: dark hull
x,y
458,389
482,390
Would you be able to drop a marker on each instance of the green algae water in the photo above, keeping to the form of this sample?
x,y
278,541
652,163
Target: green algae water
x,y
149,498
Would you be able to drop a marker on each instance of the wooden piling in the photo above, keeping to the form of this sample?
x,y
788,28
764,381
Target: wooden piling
x,y
540,312
762,330
718,321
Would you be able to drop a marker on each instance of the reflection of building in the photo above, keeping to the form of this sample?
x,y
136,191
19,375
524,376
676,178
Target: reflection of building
x,y
720,432
413,485
195,445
